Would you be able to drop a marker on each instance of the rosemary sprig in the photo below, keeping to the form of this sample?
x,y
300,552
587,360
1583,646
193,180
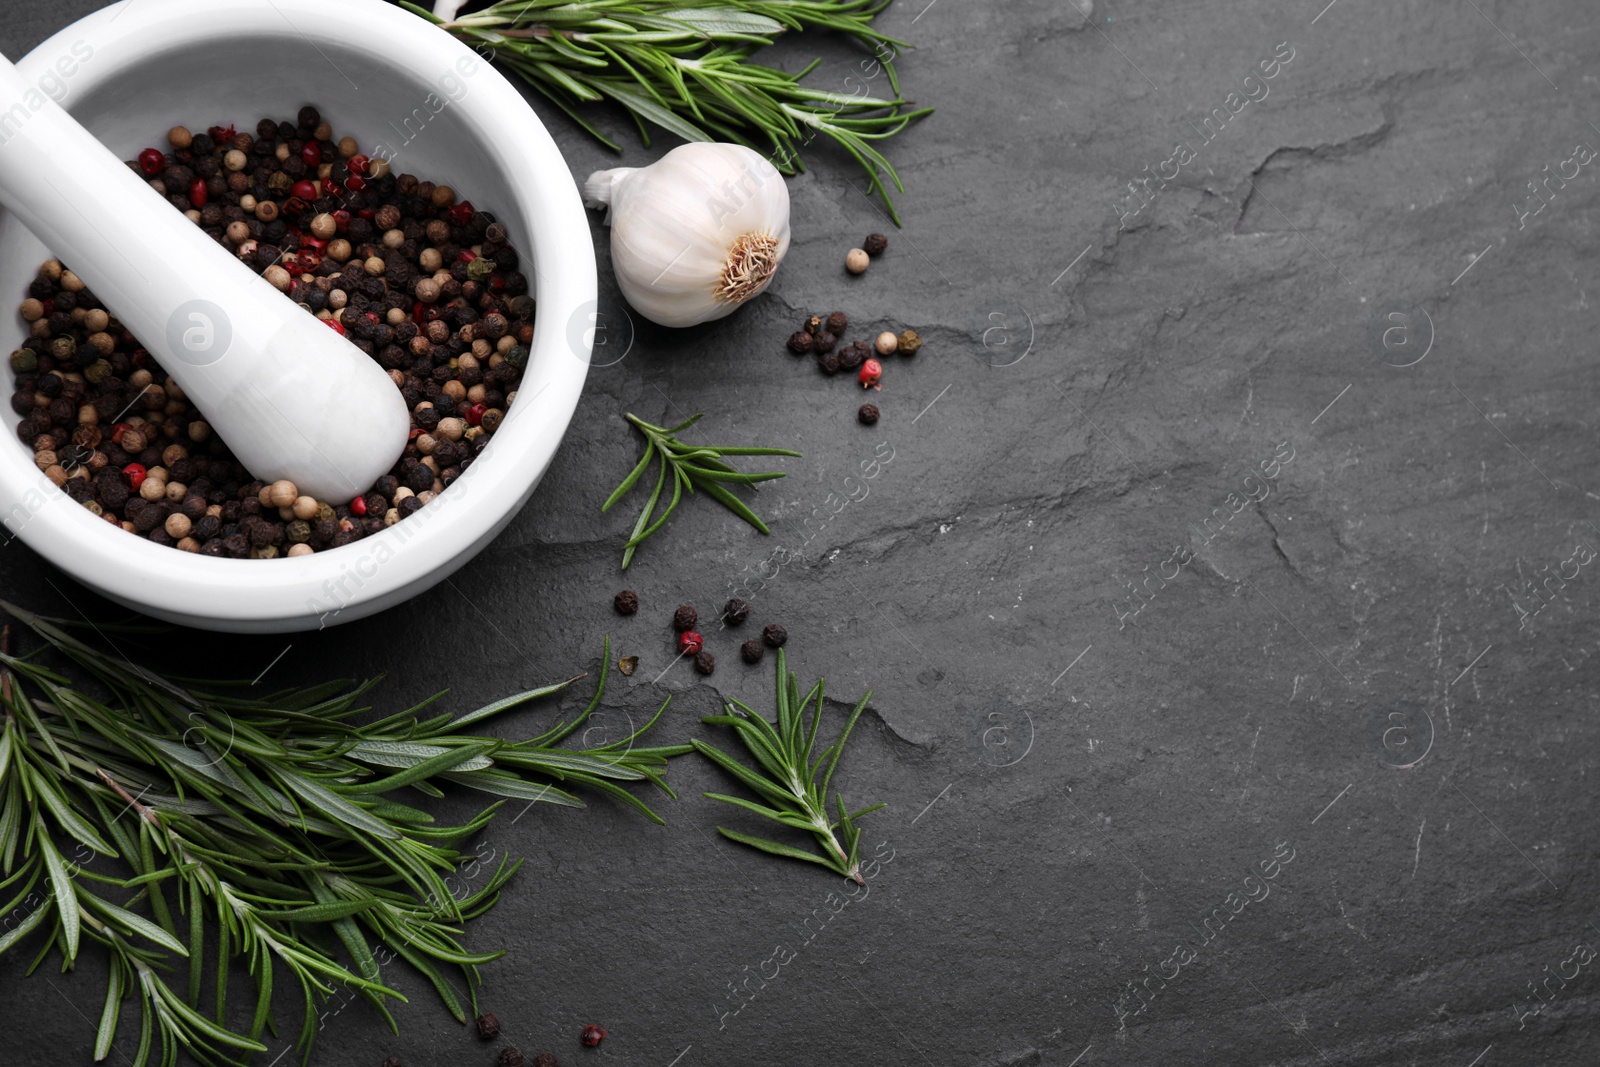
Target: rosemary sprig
x,y
787,778
692,467
684,65
272,824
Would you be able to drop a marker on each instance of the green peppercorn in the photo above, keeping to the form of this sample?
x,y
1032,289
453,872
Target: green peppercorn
x,y
24,361
480,269
517,356
298,531
910,341
97,372
63,347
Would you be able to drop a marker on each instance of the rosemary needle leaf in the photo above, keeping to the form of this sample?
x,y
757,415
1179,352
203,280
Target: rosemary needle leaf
x,y
690,71
272,824
787,777
693,467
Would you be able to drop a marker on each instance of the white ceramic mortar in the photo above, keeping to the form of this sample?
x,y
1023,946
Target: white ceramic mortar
x,y
405,90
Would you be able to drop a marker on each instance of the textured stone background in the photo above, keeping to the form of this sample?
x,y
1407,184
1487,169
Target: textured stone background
x,y
1072,788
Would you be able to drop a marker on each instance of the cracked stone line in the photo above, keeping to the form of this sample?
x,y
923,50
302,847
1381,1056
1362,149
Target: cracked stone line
x,y
1296,229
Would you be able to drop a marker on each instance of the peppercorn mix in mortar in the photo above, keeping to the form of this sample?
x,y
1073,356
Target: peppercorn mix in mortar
x,y
412,275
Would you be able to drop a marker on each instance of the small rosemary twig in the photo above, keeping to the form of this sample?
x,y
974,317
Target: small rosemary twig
x,y
786,777
691,467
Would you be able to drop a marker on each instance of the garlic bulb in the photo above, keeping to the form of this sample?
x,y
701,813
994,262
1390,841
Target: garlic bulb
x,y
695,234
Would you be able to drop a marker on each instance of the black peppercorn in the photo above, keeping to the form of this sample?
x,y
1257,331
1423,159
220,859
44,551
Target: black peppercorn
x,y
419,479
488,1026
392,1061
875,244
868,414
752,651
829,363
626,602
814,324
837,323
852,356
824,342
510,1057
545,1059
705,662
800,343
774,635
736,611
685,617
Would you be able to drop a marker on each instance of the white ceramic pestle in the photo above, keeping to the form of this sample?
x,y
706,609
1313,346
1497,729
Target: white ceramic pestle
x,y
291,397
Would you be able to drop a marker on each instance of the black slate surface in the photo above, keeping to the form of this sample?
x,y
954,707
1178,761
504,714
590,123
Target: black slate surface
x,y
1327,681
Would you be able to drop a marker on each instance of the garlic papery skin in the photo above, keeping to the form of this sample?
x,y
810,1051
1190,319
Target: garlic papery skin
x,y
695,234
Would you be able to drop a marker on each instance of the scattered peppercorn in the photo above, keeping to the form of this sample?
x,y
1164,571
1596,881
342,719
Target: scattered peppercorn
x,y
886,343
690,643
488,1026
752,650
871,374
838,323
510,1056
908,343
705,662
829,363
824,342
592,1035
800,343
626,602
392,1061
545,1059
851,356
815,324
856,261
875,244
685,617
774,635
868,414
736,611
